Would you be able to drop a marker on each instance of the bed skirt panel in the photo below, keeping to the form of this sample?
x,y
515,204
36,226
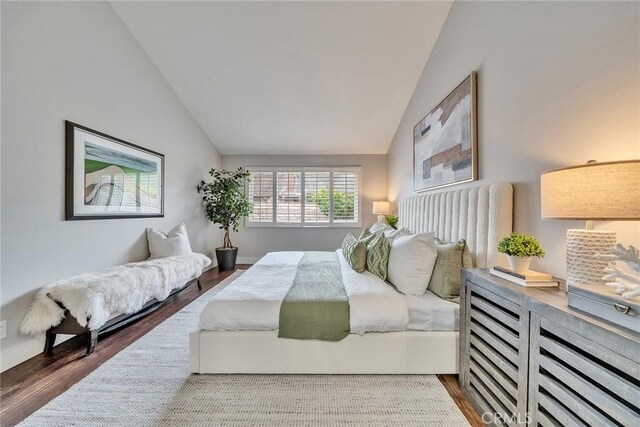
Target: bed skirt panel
x,y
262,352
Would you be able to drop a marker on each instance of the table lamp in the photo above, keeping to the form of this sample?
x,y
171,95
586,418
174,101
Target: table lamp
x,y
607,191
381,209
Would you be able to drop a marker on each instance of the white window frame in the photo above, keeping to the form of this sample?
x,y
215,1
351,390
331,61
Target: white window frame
x,y
302,223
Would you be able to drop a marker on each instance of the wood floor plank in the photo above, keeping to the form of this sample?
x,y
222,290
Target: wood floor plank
x,y
450,382
28,386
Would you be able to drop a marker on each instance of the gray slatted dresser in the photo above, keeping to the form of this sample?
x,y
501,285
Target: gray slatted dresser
x,y
526,358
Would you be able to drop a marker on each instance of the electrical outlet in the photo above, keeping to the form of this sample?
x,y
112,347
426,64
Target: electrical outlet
x,y
3,329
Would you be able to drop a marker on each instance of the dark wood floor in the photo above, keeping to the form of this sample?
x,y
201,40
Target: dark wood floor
x,y
27,387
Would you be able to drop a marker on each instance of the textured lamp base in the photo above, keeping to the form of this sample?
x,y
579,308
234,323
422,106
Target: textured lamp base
x,y
583,268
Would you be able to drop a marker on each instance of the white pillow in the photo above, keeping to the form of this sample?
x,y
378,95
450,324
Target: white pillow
x,y
392,234
379,226
411,262
174,243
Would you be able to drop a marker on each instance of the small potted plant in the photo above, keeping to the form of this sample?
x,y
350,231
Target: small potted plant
x,y
226,204
519,249
391,220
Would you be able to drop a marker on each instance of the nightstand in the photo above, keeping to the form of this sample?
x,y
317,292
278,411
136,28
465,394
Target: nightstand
x,y
526,357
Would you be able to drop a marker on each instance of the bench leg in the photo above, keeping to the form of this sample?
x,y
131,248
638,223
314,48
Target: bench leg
x,y
93,340
199,285
49,342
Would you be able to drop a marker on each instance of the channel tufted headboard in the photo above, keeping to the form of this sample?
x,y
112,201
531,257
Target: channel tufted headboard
x,y
480,215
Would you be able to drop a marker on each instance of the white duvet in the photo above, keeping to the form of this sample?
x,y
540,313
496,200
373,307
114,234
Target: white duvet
x,y
252,301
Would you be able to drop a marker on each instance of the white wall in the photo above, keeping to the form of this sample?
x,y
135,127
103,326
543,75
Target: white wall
x,y
254,242
78,61
558,84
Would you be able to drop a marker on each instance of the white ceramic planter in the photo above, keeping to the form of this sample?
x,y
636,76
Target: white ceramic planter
x,y
519,264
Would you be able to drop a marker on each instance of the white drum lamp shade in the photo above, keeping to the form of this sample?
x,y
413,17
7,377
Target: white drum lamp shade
x,y
594,191
381,209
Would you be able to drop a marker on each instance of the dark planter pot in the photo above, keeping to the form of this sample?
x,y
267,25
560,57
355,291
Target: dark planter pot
x,y
226,258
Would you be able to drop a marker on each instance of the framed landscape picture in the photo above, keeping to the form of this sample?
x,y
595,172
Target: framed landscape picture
x,y
107,177
444,142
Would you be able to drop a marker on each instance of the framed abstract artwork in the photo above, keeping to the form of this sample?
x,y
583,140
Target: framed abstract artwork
x,y
107,177
445,141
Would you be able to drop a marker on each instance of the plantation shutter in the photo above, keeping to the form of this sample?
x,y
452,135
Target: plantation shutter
x,y
311,197
317,201
260,192
289,197
346,196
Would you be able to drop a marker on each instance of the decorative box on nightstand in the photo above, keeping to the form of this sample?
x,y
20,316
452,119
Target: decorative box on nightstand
x,y
599,301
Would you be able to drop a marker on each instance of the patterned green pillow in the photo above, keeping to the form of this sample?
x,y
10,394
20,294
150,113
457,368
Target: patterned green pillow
x,y
366,236
445,279
378,251
355,252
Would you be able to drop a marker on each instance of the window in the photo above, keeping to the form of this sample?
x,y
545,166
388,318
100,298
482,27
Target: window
x,y
317,200
304,197
260,193
289,197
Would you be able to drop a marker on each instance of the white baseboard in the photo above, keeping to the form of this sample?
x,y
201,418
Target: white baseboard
x,y
15,355
247,259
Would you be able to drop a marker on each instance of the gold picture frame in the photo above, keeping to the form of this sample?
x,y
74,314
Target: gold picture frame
x,y
445,141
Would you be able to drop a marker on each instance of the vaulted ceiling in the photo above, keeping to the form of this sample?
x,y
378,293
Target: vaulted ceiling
x,y
290,77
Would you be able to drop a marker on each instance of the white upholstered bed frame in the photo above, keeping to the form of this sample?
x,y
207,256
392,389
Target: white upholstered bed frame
x,y
480,215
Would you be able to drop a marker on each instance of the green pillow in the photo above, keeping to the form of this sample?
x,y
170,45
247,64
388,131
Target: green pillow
x,y
355,252
445,279
366,236
378,251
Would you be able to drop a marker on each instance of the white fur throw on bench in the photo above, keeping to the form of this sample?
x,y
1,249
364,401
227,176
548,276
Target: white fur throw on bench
x,y
122,289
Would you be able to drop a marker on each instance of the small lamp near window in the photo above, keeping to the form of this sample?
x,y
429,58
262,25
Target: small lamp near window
x,y
607,191
381,209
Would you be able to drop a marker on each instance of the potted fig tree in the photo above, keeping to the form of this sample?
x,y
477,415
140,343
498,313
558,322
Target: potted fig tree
x,y
519,249
226,204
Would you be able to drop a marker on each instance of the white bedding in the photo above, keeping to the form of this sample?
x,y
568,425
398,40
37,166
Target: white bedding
x,y
429,312
252,302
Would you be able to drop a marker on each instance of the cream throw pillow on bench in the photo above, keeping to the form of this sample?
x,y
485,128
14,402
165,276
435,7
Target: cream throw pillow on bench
x,y
174,243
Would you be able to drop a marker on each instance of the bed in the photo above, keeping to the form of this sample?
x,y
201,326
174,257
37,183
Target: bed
x,y
391,333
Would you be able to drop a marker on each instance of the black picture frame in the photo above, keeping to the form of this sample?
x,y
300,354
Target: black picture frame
x,y
73,176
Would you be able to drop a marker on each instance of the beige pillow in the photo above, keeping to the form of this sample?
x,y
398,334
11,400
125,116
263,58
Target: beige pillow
x,y
445,279
355,252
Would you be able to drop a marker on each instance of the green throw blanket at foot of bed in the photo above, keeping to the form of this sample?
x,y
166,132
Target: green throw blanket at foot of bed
x,y
316,306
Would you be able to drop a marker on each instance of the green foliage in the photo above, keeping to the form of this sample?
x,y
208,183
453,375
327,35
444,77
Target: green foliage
x,y
343,204
224,199
392,220
521,245
320,199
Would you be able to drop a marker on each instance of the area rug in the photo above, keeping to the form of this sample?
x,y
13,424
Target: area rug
x,y
149,384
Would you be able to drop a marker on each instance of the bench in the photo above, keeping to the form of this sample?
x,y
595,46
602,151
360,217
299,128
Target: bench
x,y
70,325
99,302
